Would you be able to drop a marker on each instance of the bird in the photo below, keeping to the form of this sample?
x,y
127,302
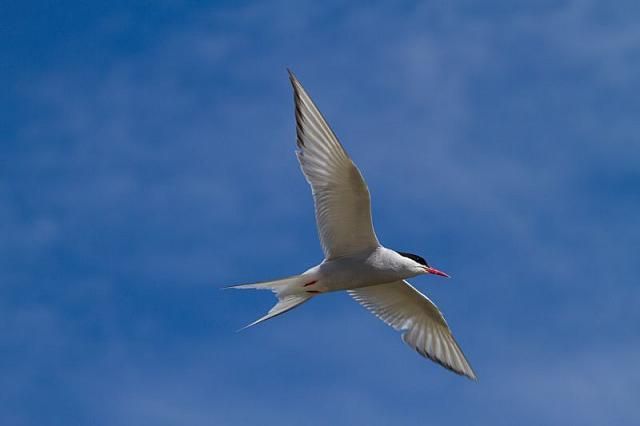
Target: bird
x,y
355,261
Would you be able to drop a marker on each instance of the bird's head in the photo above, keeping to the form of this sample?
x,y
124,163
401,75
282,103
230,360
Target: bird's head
x,y
421,266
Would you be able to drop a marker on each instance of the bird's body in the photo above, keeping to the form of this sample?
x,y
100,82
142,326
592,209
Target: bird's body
x,y
378,266
355,261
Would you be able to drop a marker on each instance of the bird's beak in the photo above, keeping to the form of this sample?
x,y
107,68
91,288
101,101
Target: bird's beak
x,y
434,271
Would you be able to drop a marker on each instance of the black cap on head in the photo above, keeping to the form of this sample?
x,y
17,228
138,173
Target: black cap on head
x,y
414,257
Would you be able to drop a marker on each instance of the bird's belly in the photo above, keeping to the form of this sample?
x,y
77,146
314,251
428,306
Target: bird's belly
x,y
349,277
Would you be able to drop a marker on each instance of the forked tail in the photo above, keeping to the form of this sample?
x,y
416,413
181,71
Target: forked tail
x,y
289,291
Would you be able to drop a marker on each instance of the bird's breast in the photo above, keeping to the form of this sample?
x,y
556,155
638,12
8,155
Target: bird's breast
x,y
356,272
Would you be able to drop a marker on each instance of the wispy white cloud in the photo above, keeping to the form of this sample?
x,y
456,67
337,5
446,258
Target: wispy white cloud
x,y
150,178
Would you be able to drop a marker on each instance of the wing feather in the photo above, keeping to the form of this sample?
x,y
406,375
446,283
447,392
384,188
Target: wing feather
x,y
403,307
341,196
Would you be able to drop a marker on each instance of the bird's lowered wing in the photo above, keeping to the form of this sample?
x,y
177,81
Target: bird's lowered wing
x,y
341,196
423,327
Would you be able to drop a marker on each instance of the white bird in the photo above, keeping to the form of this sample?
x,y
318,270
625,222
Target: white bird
x,y
355,261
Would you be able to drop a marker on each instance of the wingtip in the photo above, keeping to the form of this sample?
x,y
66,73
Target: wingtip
x,y
467,372
473,375
292,78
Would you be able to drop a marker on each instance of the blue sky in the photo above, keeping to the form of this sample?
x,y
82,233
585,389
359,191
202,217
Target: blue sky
x,y
147,159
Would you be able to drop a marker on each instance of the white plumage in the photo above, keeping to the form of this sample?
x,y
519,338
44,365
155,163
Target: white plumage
x,y
343,206
355,261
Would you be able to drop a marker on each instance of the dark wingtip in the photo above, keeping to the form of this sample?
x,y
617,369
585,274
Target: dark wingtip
x,y
292,76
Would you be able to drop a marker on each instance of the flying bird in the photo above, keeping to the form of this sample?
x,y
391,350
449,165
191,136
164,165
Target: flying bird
x,y
355,261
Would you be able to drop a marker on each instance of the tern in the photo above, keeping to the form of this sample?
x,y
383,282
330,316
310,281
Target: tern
x,y
355,261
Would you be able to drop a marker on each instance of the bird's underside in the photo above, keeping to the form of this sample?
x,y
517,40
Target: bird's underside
x,y
343,217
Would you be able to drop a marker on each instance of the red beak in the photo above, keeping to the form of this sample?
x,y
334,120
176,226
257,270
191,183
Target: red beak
x,y
434,271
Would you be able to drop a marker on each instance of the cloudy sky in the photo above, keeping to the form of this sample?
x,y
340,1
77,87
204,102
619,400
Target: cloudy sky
x,y
147,159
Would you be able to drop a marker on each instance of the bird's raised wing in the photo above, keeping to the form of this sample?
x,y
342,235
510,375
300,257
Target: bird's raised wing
x,y
423,327
341,196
